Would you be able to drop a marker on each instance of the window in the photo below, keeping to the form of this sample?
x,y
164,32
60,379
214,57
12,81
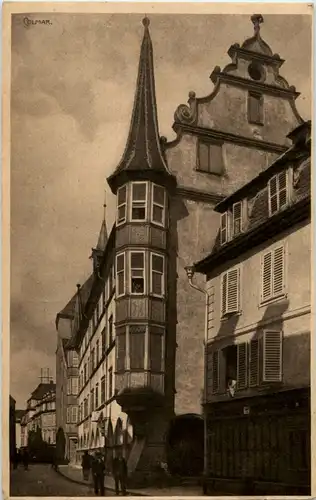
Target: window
x,y
120,274
210,158
85,373
92,360
97,396
72,415
110,382
137,273
97,352
237,218
103,337
120,348
139,201
102,390
255,108
213,371
158,205
242,366
224,228
230,285
73,360
157,275
121,204
111,280
156,349
272,356
137,346
278,192
272,274
110,329
254,363
72,386
92,400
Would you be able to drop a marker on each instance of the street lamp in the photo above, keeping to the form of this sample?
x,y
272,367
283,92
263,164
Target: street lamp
x,y
190,274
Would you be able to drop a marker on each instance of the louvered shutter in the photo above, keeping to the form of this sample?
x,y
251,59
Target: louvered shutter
x,y
224,293
224,228
278,271
233,290
215,370
237,218
273,195
272,356
254,363
282,188
242,366
266,276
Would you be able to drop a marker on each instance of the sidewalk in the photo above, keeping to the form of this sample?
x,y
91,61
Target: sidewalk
x,y
74,473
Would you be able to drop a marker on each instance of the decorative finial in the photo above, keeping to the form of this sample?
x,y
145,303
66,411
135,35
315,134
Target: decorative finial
x,y
146,22
256,20
78,286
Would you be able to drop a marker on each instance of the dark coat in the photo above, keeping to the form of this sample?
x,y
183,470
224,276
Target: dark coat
x,y
119,467
86,462
98,467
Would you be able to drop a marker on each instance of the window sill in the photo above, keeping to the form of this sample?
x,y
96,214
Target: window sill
x,y
227,316
215,174
273,300
279,211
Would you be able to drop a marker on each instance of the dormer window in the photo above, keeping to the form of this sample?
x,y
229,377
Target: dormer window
x,y
278,192
121,205
139,201
210,158
224,228
231,222
255,108
237,218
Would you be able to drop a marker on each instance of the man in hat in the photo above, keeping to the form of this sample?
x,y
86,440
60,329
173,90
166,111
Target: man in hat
x,y
98,473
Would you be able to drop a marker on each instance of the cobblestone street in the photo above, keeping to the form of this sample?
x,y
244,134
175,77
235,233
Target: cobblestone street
x,y
42,480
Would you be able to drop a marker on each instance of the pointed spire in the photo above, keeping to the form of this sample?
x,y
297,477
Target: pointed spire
x,y
143,152
103,235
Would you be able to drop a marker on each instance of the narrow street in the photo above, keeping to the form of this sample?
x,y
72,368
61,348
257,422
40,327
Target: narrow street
x,y
42,480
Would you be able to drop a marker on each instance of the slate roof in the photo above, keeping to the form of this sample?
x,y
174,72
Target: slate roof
x,y
42,389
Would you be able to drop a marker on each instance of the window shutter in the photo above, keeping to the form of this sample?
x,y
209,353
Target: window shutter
x,y
224,232
278,271
215,369
266,276
224,293
254,363
242,365
237,218
273,195
272,356
233,290
282,181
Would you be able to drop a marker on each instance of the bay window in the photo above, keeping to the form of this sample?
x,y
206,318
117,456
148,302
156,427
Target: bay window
x,y
156,338
158,205
121,205
137,346
120,274
139,201
137,273
157,275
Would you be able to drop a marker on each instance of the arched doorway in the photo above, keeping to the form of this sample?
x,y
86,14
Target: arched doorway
x,y
185,444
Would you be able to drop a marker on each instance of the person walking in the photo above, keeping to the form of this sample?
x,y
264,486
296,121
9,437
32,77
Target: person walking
x,y
98,473
86,466
119,469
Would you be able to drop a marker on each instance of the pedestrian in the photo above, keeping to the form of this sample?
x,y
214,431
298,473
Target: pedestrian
x,y
25,459
54,461
119,469
98,473
86,466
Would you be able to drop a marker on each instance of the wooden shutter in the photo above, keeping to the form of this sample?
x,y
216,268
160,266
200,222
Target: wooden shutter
x,y
266,276
278,271
215,371
273,195
282,188
233,286
254,363
224,293
242,365
237,218
272,356
224,228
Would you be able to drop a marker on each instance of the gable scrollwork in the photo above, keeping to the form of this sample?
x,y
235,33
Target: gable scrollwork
x,y
187,114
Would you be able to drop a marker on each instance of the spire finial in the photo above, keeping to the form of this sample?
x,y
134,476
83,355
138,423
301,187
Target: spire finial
x,y
146,22
104,206
256,20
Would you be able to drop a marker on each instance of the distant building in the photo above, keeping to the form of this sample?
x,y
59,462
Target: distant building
x,y
259,324
67,378
141,329
18,429
12,440
40,413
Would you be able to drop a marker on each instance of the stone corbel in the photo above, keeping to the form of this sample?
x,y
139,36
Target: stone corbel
x,y
187,114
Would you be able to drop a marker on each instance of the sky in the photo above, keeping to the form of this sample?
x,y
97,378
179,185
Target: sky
x,y
72,90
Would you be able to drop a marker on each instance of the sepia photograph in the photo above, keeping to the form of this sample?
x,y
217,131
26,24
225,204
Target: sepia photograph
x,y
158,179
